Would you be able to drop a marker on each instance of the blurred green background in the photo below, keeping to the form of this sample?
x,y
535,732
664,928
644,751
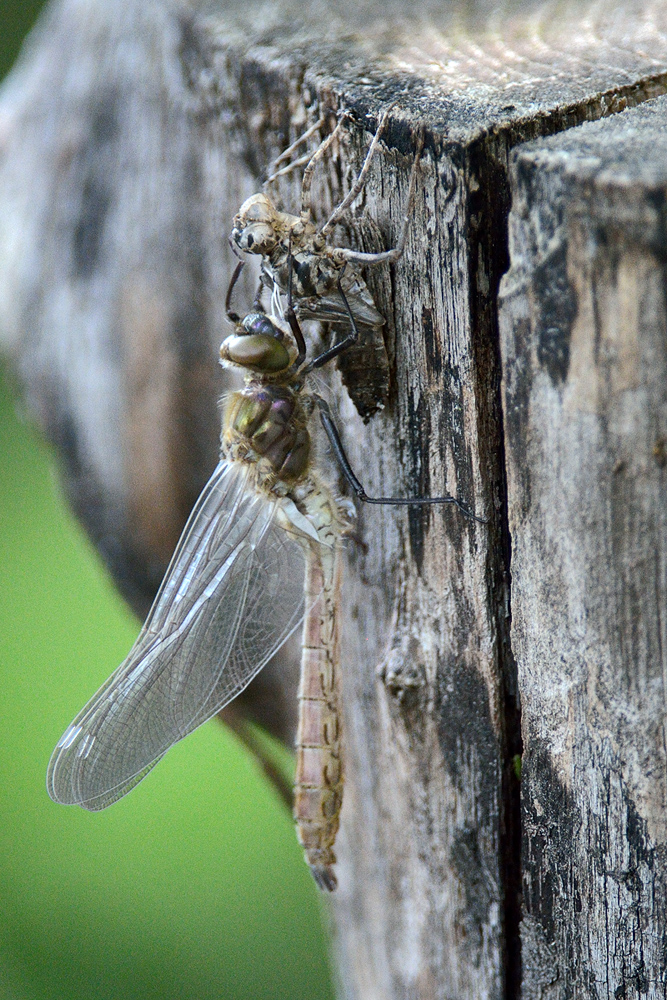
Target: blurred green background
x,y
191,887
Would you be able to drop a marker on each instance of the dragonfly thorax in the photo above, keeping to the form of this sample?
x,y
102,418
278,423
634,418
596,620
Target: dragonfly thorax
x,y
314,273
268,422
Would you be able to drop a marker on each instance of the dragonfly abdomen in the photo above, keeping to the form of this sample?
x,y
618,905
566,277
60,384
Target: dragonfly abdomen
x,y
318,792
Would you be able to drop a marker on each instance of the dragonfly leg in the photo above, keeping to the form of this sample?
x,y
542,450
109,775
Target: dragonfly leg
x,y
288,169
231,315
346,342
391,256
358,185
306,214
337,446
257,301
291,315
273,170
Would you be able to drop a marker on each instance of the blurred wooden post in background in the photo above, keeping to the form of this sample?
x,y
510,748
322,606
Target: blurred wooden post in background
x,y
129,136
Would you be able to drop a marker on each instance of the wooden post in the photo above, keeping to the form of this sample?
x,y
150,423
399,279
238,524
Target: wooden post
x,y
160,122
584,350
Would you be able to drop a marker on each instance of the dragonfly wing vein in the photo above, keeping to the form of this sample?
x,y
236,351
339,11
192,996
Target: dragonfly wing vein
x,y
232,595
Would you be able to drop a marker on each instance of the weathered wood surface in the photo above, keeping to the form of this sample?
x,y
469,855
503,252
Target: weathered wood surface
x,y
584,349
121,169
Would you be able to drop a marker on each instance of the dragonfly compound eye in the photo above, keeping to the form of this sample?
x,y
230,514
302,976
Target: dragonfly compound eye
x,y
260,323
258,237
254,227
258,351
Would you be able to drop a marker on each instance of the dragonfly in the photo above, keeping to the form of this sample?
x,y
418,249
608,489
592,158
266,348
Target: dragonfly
x,y
324,274
260,553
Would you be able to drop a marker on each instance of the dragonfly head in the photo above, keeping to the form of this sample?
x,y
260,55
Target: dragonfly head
x,y
258,344
256,227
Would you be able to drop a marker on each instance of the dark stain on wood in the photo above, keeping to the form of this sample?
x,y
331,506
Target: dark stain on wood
x,y
418,474
479,889
552,901
431,343
96,192
465,729
557,305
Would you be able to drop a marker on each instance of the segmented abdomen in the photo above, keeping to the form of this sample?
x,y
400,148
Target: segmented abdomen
x,y
318,792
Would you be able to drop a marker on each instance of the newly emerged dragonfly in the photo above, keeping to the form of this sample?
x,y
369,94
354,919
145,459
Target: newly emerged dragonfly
x,y
295,243
234,592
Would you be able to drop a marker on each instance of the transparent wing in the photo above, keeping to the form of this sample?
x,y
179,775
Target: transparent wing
x,y
232,595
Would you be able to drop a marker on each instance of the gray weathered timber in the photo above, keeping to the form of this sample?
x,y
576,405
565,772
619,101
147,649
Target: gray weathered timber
x,y
583,325
103,298
122,166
